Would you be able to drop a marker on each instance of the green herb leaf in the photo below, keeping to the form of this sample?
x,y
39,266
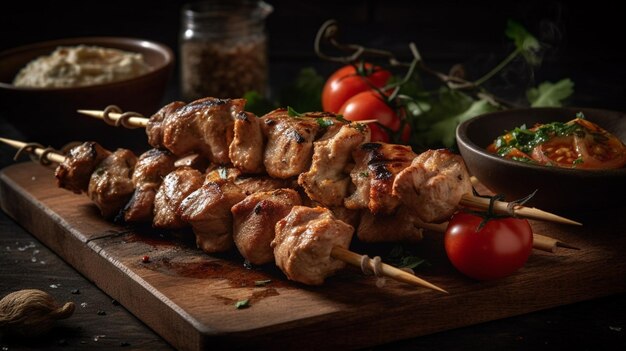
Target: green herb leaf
x,y
411,262
549,94
223,172
262,282
341,119
525,42
241,304
293,113
437,127
324,122
305,94
258,104
403,258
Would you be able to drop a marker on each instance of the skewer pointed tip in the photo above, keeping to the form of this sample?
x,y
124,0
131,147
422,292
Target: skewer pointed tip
x,y
92,113
566,245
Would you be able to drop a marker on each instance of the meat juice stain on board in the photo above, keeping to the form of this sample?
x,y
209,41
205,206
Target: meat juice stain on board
x,y
234,273
227,267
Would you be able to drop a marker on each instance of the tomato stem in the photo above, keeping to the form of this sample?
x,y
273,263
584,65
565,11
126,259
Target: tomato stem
x,y
490,213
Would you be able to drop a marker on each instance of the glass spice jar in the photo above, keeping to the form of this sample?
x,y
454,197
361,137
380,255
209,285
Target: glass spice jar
x,y
223,48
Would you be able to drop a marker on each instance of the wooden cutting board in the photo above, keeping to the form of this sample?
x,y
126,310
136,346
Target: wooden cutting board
x,y
189,297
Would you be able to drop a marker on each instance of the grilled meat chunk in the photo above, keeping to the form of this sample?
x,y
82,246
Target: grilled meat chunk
x,y
110,185
433,185
249,184
207,210
176,186
254,221
303,243
156,125
401,226
327,180
377,165
204,126
152,166
75,171
194,161
246,149
253,185
289,143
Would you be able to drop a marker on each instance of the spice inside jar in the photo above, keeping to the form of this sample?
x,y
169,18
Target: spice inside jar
x,y
223,49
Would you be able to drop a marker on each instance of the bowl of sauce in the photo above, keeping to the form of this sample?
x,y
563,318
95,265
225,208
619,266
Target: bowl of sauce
x,y
576,164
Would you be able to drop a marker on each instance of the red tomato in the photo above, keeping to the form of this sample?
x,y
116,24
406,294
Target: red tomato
x,y
378,134
346,82
370,105
494,251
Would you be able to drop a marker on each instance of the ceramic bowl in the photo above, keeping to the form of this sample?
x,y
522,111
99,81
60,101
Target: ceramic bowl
x,y
48,115
558,189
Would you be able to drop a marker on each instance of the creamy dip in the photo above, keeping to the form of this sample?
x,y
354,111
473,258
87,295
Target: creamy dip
x,y
80,66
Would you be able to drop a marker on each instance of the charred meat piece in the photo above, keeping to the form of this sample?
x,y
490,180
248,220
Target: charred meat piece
x,y
194,161
217,126
289,143
156,125
303,243
75,171
152,166
110,185
203,126
433,185
249,184
327,180
207,210
246,149
377,165
176,186
401,226
254,221
253,185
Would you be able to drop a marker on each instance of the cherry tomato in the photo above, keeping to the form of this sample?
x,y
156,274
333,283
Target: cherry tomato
x,y
346,82
378,134
495,250
370,105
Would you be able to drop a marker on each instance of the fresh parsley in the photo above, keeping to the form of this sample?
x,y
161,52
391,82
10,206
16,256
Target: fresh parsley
x,y
241,304
293,113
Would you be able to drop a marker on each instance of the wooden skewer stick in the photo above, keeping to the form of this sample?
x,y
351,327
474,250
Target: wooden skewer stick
x,y
390,271
546,243
142,122
540,242
337,252
139,122
52,156
521,211
468,200
501,207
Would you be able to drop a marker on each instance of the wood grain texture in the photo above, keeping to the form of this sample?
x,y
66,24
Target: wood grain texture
x,y
188,297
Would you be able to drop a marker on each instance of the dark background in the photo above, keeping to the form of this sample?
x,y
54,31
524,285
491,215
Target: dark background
x,y
581,40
